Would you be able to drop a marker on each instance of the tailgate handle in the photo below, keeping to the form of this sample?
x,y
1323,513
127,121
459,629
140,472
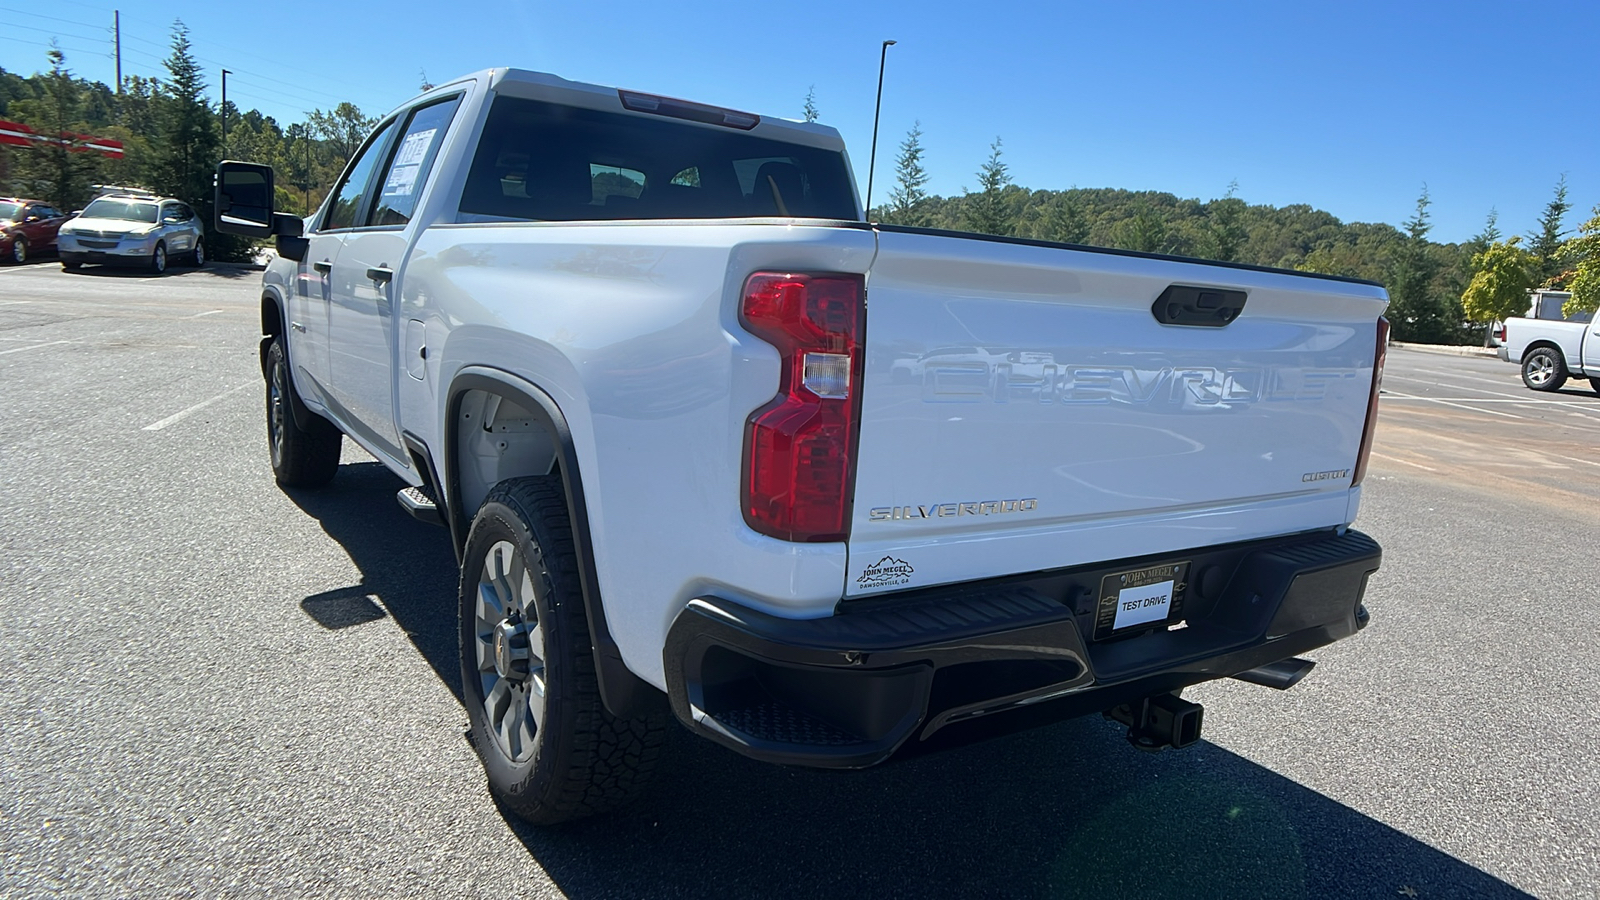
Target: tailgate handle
x,y
1200,306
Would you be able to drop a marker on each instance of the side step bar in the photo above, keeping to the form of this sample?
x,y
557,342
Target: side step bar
x,y
420,506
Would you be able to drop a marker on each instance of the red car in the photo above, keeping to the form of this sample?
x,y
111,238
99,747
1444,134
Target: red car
x,y
27,228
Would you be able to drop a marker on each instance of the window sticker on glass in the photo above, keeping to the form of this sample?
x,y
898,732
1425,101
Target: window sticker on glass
x,y
408,162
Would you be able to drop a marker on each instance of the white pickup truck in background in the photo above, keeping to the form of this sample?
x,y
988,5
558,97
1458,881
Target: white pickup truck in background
x,y
710,445
1552,350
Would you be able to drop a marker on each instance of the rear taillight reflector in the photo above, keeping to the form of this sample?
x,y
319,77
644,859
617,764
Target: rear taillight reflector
x,y
1381,353
800,448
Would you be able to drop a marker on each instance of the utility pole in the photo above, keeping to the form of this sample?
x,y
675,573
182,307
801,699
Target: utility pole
x,y
872,162
116,25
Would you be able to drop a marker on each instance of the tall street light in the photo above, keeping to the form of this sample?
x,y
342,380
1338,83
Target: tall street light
x,y
225,74
872,162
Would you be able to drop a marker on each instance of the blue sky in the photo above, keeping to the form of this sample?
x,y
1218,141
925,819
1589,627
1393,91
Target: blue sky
x,y
1350,107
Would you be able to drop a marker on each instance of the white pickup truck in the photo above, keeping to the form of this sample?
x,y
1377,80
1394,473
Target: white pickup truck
x,y
708,444
1551,350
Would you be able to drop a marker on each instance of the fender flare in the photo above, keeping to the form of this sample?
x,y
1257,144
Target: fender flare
x,y
624,694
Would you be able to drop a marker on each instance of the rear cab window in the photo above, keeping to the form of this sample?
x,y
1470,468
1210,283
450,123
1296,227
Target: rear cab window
x,y
545,162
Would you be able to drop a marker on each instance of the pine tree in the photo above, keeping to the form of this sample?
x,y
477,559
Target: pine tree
x,y
1225,226
1545,243
1065,219
911,181
1417,314
1144,231
54,168
811,112
187,150
986,211
1491,231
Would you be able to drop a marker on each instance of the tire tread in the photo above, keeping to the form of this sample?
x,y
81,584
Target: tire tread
x,y
601,761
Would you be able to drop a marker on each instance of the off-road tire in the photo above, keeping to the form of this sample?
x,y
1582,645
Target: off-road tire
x,y
301,457
1543,369
583,760
19,251
158,259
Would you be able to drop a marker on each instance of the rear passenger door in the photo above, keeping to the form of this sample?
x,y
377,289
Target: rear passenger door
x,y
365,326
310,306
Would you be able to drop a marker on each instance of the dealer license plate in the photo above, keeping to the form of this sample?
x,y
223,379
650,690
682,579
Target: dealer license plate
x,y
1140,599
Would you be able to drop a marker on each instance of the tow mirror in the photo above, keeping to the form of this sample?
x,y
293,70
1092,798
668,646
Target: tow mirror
x,y
244,199
244,206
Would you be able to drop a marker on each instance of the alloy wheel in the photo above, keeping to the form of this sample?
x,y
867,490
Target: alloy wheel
x,y
510,650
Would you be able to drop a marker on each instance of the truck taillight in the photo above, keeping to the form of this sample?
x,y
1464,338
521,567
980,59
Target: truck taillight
x,y
800,448
1372,402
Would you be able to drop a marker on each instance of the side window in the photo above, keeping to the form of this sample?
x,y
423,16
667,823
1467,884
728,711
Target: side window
x,y
185,213
350,200
413,159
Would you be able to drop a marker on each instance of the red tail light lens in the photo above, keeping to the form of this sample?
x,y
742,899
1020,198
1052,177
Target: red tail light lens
x,y
800,448
1372,402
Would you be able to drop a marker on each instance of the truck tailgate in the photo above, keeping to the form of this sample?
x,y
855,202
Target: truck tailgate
x,y
1023,409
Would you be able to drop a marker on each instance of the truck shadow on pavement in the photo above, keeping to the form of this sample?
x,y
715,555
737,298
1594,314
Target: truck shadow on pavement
x,y
1069,810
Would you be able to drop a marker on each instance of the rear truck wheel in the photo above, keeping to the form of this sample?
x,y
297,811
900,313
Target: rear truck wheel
x,y
1544,370
1594,382
301,457
71,265
198,257
549,747
158,259
19,251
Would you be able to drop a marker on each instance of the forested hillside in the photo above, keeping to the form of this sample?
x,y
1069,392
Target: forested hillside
x,y
173,136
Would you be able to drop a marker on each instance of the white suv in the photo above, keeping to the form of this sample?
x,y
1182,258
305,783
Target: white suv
x,y
129,229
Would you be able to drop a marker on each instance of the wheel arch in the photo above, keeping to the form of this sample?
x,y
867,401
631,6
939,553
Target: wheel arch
x,y
1543,344
624,693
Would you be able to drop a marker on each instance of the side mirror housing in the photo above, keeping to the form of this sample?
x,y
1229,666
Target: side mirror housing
x,y
244,198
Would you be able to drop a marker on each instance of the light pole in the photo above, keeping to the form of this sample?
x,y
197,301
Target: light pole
x,y
225,74
872,162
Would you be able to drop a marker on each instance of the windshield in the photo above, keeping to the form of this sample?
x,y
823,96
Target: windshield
x,y
131,210
9,210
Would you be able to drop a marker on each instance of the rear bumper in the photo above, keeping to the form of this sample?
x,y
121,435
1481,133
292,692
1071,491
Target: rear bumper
x,y
1503,352
849,690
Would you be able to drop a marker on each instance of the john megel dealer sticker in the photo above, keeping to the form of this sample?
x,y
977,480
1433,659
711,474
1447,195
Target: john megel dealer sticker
x,y
886,572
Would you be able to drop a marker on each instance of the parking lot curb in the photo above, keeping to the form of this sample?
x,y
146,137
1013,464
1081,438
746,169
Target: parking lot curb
x,y
1447,349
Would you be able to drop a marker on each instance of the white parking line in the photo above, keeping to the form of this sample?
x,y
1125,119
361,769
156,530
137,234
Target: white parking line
x,y
13,302
34,347
209,312
180,416
1403,461
1487,412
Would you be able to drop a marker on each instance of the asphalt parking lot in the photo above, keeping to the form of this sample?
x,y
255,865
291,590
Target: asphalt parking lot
x,y
210,687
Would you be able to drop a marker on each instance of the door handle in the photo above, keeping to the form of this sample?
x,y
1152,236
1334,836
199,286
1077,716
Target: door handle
x,y
325,266
298,327
382,274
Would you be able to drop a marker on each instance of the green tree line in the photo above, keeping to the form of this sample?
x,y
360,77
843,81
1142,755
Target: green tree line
x,y
172,137
1439,292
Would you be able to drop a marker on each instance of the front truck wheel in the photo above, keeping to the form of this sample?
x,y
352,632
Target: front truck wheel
x,y
301,457
551,750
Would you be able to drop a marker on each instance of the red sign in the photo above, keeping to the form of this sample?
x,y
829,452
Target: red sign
x,y
23,136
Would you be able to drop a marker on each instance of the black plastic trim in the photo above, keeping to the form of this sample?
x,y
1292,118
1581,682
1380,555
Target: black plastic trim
x,y
873,680
1112,251
625,694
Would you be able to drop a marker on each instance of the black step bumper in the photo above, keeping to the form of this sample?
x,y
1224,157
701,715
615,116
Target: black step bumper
x,y
849,690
